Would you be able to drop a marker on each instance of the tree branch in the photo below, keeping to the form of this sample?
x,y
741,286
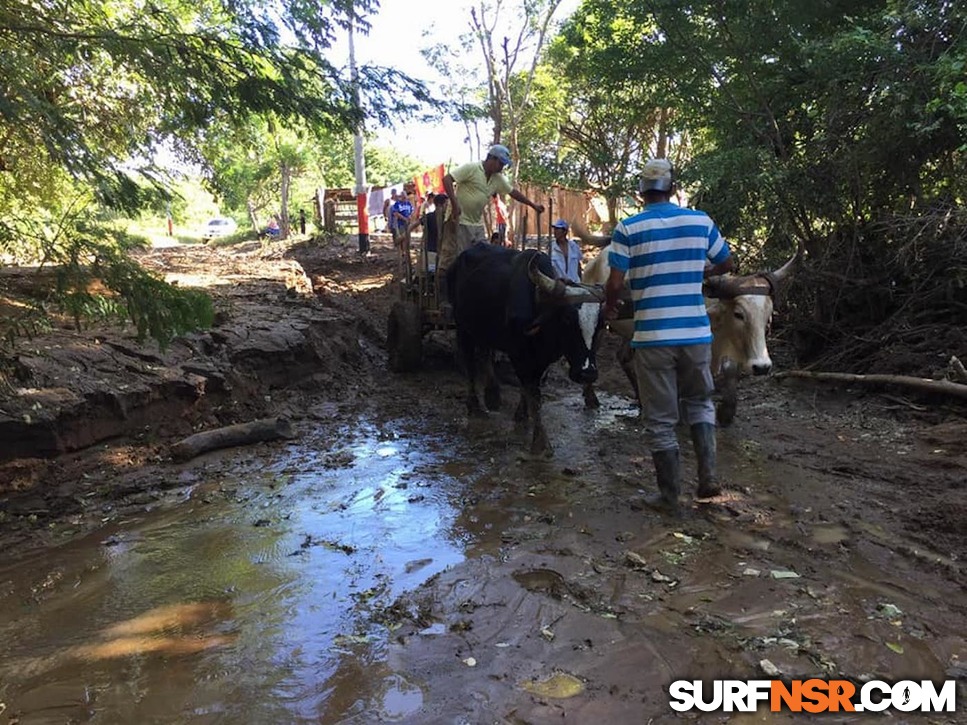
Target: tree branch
x,y
926,385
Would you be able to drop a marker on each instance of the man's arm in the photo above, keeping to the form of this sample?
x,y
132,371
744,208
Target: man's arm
x,y
517,196
451,192
612,291
714,270
717,249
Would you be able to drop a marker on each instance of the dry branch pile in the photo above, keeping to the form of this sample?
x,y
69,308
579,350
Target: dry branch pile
x,y
890,298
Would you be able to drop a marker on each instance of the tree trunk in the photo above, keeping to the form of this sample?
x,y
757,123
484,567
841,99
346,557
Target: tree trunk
x,y
286,172
661,150
319,204
484,33
256,431
504,110
253,216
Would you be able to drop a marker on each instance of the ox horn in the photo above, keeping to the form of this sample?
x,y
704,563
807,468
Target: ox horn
x,y
575,293
785,270
582,233
547,285
723,286
570,293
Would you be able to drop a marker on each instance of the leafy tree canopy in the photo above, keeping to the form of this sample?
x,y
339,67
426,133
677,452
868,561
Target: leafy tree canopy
x,y
90,84
801,116
91,89
838,123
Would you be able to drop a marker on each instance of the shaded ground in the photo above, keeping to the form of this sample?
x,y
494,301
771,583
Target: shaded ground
x,y
860,496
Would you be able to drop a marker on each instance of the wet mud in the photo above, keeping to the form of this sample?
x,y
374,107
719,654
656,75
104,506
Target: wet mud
x,y
398,562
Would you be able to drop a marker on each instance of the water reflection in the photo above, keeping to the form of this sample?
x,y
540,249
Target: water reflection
x,y
248,603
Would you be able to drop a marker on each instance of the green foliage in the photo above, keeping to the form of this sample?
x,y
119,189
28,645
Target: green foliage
x,y
156,309
545,158
510,39
458,87
96,279
786,106
93,90
95,82
247,164
389,165
30,321
596,122
838,124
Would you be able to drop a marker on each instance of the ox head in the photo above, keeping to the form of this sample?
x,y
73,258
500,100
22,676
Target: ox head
x,y
740,310
576,312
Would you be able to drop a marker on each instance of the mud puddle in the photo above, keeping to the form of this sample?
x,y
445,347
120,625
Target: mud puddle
x,y
390,575
256,599
268,596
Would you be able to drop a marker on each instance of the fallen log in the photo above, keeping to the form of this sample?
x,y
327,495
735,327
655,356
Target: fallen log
x,y
256,431
926,385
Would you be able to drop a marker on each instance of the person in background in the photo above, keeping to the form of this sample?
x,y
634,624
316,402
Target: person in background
x,y
272,229
388,211
400,214
428,203
302,221
431,229
565,253
469,188
663,250
500,218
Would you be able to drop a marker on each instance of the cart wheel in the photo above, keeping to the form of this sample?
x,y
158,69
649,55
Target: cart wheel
x,y
404,337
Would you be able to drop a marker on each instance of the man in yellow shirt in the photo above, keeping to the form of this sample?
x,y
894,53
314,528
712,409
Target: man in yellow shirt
x,y
470,188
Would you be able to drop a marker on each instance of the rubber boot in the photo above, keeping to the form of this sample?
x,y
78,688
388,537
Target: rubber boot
x,y
703,438
668,472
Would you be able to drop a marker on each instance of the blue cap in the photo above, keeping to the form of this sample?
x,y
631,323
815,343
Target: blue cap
x,y
501,153
560,224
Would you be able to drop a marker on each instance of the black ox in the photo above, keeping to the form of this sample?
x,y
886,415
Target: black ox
x,y
508,300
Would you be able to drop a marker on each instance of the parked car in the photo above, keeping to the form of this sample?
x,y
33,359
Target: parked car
x,y
218,227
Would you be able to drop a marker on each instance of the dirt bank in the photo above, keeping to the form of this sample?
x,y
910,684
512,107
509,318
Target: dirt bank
x,y
91,414
839,549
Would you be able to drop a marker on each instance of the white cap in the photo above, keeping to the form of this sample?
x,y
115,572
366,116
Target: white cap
x,y
656,175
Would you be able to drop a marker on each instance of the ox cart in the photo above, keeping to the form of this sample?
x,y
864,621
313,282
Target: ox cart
x,y
418,309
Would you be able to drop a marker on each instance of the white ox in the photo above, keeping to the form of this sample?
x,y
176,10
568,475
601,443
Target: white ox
x,y
740,311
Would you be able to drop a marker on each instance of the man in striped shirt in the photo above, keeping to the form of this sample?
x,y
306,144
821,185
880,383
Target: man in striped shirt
x,y
663,252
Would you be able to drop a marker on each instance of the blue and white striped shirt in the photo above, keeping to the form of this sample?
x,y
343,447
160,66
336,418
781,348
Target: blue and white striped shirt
x,y
663,251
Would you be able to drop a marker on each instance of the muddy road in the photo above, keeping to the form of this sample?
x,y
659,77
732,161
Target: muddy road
x,y
398,563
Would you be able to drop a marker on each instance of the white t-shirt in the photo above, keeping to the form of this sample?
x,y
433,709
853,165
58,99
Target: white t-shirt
x,y
566,266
